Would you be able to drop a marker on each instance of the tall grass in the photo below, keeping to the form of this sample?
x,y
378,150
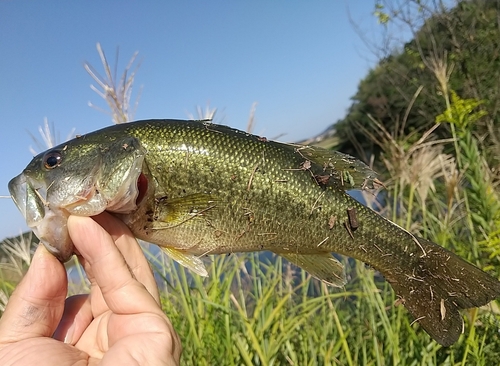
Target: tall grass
x,y
255,311
273,314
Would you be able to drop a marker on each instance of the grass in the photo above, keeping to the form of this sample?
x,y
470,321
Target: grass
x,y
252,311
277,315
255,311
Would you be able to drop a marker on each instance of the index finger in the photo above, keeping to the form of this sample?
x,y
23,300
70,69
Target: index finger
x,y
130,250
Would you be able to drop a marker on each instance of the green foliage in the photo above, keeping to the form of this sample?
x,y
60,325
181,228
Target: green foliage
x,y
461,44
461,113
271,316
480,196
381,15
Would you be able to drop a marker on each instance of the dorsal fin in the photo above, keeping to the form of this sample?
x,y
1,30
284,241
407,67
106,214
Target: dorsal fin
x,y
340,169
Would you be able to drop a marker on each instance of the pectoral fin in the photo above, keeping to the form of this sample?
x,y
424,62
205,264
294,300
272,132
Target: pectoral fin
x,y
322,266
171,212
189,261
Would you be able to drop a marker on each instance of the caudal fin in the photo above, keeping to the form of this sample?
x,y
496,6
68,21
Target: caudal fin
x,y
440,285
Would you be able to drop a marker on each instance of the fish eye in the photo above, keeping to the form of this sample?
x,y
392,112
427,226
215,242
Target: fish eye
x,y
52,159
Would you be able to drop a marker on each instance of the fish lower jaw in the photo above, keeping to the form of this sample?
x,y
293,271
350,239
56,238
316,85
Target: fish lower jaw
x,y
61,256
52,231
60,246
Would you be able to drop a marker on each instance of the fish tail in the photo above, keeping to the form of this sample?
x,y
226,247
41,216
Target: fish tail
x,y
438,286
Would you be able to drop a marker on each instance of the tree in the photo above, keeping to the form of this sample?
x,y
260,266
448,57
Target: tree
x,y
452,49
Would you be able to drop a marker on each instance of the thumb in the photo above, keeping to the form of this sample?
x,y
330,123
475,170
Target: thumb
x,y
36,306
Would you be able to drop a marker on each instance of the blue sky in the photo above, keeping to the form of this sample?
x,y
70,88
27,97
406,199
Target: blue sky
x,y
301,61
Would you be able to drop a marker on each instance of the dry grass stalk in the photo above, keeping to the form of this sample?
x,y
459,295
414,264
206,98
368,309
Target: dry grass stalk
x,y
425,166
117,94
452,178
413,166
203,114
4,299
251,118
18,253
49,137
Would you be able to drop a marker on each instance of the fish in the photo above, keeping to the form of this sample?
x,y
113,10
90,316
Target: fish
x,y
196,188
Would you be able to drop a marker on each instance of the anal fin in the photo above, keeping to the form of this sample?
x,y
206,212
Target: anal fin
x,y
189,261
322,266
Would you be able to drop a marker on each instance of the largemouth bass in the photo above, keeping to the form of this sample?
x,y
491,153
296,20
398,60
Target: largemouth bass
x,y
196,188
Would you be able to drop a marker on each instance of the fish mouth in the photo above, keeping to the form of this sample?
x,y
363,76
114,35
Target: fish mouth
x,y
27,200
48,225
17,189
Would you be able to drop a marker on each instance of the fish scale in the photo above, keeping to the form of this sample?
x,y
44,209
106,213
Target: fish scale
x,y
196,188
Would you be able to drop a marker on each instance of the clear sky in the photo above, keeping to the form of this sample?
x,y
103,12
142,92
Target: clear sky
x,y
301,61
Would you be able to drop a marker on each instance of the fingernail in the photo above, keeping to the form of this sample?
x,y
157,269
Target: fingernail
x,y
39,252
37,256
69,334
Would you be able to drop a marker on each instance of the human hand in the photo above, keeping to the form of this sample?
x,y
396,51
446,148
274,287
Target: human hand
x,y
119,323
